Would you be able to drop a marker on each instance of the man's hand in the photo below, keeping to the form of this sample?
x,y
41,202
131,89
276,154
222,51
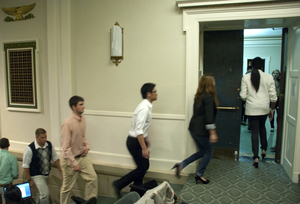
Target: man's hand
x,y
213,138
77,168
271,115
146,153
31,184
85,152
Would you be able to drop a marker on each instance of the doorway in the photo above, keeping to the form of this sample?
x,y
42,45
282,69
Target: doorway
x,y
267,44
216,15
228,55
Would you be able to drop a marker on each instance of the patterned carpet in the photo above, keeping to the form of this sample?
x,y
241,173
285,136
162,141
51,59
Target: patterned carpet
x,y
239,182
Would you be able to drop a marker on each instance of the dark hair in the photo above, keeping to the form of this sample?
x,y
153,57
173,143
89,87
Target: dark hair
x,y
74,101
4,143
206,86
40,131
148,87
13,195
255,76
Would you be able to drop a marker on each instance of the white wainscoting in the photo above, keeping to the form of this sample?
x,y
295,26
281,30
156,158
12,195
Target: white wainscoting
x,y
107,133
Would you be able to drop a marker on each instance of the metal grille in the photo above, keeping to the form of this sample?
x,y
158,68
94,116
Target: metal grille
x,y
21,77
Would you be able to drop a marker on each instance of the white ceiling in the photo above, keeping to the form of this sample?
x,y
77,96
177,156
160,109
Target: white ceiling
x,y
262,32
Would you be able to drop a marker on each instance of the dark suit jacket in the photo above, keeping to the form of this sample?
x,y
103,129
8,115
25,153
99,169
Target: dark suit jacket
x,y
203,115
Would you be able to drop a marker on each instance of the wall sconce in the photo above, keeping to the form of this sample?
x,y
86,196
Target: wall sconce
x,y
116,41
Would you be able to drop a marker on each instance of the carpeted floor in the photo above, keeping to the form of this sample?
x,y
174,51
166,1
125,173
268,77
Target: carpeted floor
x,y
239,182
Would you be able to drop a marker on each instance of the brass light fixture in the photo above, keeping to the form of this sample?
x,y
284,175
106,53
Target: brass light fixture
x,y
116,42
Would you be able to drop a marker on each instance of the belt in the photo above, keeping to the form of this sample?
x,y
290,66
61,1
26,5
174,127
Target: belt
x,y
5,185
76,157
132,137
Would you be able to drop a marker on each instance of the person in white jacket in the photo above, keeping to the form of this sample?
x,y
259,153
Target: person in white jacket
x,y
258,89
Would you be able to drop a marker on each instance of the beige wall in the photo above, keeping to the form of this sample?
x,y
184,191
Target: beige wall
x,y
154,51
20,126
271,51
74,41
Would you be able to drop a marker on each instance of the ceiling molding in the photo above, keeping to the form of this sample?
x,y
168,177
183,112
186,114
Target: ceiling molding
x,y
262,42
226,3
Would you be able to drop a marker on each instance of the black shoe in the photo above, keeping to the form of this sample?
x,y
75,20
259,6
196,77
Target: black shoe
x,y
263,155
198,178
178,169
255,162
117,190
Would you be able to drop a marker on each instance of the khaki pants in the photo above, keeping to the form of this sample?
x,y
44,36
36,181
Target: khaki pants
x,y
41,183
70,176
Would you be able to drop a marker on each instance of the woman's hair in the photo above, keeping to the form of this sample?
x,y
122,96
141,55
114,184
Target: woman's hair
x,y
12,195
255,76
278,72
206,85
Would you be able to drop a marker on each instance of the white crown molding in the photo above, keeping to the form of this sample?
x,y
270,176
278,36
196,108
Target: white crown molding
x,y
288,9
185,4
262,42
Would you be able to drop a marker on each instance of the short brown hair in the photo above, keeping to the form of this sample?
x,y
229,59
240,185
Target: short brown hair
x,y
40,131
4,143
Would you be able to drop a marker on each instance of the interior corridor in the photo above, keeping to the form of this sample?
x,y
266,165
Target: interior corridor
x,y
245,142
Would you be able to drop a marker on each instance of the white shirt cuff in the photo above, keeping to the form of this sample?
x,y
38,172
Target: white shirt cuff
x,y
210,126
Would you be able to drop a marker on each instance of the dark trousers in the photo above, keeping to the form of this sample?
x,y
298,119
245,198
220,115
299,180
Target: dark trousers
x,y
258,127
244,117
205,152
137,174
276,108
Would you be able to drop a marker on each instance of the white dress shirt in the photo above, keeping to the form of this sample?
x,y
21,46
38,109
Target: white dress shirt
x,y
141,119
258,103
27,156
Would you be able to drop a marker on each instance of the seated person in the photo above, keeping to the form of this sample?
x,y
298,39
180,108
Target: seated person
x,y
12,195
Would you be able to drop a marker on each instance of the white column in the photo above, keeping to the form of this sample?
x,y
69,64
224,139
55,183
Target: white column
x,y
59,65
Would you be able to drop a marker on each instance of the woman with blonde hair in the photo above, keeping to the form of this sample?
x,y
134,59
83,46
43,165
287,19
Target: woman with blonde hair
x,y
202,126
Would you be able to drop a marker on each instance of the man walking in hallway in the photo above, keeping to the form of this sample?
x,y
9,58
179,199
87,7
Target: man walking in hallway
x,y
37,164
137,141
75,147
9,169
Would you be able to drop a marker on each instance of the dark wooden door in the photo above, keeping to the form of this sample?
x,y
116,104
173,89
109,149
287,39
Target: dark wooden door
x,y
284,50
223,56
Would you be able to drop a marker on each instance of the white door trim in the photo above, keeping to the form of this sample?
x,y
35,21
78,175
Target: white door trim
x,y
192,19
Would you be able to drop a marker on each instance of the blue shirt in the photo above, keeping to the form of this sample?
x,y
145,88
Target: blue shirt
x,y
9,169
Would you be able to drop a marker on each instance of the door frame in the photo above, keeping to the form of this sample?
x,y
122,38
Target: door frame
x,y
195,13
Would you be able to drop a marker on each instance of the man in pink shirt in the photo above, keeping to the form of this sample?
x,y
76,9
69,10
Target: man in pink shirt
x,y
74,161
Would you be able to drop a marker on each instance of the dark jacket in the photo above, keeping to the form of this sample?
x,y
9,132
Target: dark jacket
x,y
203,115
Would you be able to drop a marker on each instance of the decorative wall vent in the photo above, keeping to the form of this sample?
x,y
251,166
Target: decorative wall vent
x,y
21,75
